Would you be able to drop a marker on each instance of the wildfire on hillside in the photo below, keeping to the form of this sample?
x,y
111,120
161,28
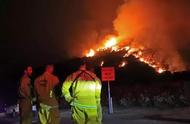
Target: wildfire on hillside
x,y
112,44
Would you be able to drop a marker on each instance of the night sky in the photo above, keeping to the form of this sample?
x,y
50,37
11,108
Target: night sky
x,y
37,32
41,31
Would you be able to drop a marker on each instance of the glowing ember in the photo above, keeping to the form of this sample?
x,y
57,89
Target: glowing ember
x,y
132,50
122,64
114,49
141,59
127,48
91,53
139,53
102,63
160,70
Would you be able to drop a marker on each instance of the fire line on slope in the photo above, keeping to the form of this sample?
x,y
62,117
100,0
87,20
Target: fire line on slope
x,y
111,44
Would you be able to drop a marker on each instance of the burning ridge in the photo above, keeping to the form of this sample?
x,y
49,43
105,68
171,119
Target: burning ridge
x,y
111,45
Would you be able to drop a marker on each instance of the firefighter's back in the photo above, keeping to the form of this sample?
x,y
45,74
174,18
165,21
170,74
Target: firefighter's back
x,y
84,88
44,86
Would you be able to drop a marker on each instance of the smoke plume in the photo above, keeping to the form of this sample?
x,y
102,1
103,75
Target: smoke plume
x,y
81,24
160,26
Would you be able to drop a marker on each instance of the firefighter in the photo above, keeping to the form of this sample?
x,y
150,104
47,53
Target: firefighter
x,y
25,97
82,90
45,84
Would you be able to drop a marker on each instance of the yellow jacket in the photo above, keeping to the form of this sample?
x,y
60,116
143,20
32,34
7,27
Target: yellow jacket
x,y
82,89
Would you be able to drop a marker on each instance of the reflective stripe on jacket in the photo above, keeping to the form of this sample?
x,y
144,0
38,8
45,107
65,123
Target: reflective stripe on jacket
x,y
86,89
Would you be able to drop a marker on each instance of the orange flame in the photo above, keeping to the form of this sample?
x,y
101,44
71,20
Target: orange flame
x,y
160,70
123,64
91,53
102,63
111,43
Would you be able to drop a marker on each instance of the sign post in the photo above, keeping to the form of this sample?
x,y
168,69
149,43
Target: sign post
x,y
108,74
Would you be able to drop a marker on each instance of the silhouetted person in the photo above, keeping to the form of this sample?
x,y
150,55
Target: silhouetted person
x,y
48,111
25,97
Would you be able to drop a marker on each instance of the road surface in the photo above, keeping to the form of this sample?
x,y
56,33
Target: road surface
x,y
128,116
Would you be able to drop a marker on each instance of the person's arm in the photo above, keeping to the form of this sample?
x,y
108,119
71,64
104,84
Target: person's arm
x,y
65,90
56,82
24,89
98,90
34,99
57,88
98,99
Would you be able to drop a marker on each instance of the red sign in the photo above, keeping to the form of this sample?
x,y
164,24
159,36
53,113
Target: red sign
x,y
108,73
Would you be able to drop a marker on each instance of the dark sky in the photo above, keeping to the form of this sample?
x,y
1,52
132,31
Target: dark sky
x,y
36,32
42,31
46,31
